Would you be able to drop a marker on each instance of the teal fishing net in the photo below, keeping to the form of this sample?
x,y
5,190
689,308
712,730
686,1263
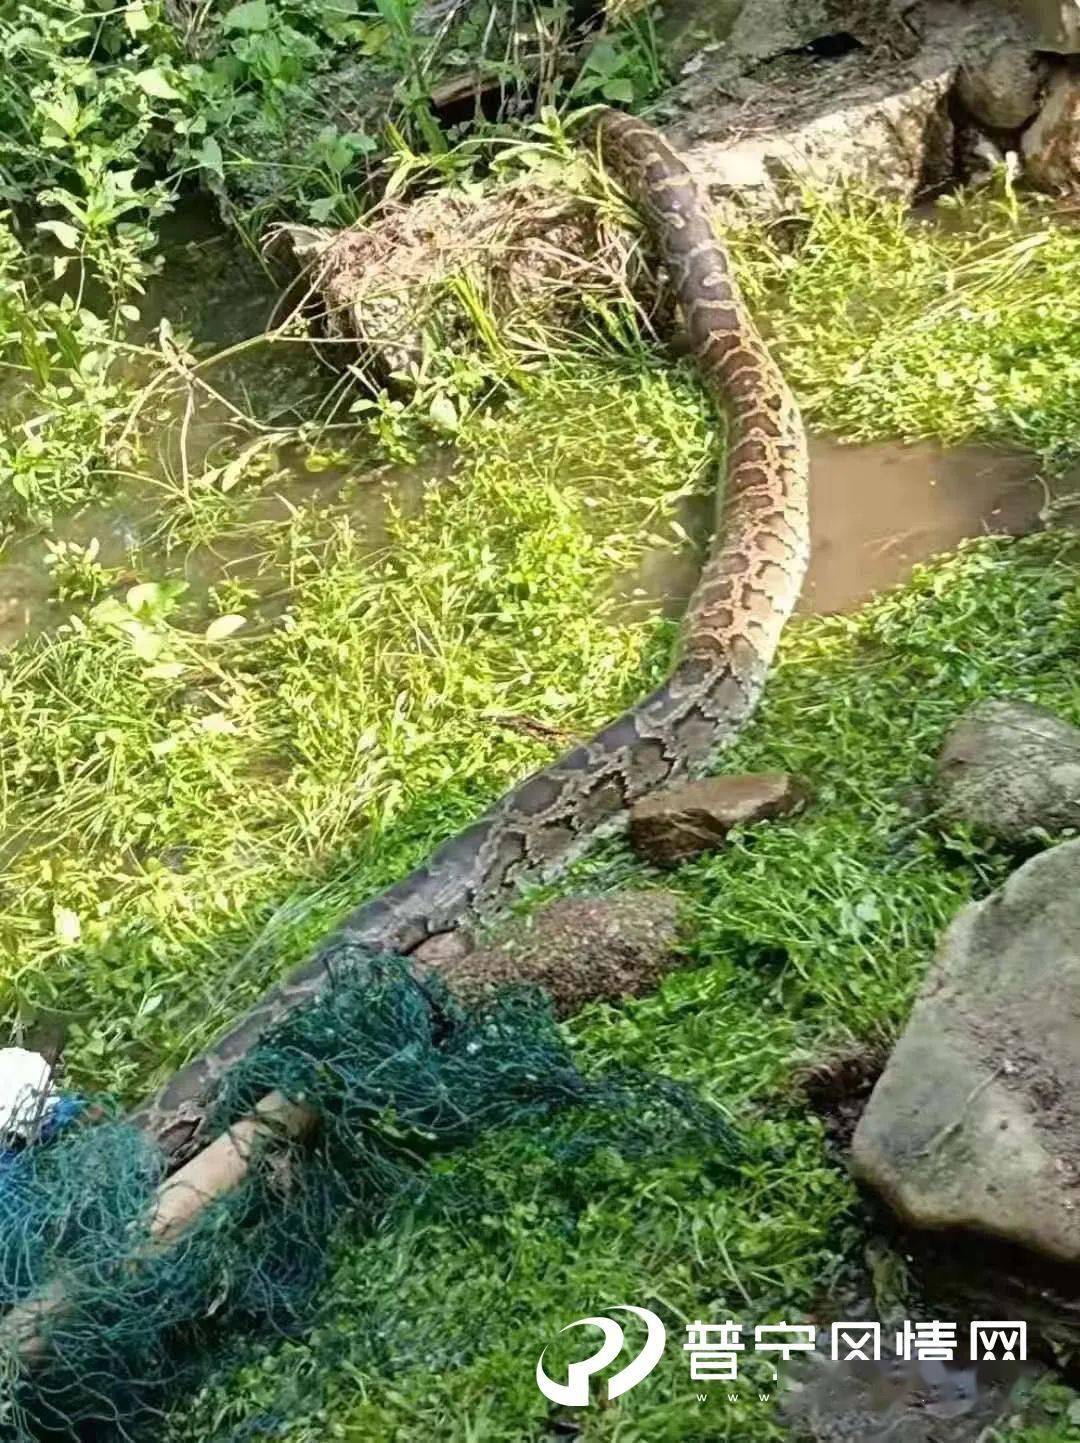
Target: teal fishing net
x,y
101,1330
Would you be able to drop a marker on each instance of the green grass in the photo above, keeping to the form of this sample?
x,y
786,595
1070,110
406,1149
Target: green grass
x,y
807,933
182,813
196,808
177,801
963,325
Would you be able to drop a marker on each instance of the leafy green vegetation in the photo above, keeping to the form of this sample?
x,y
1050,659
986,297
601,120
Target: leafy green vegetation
x,y
278,106
1050,1414
200,781
196,785
957,325
809,934
297,680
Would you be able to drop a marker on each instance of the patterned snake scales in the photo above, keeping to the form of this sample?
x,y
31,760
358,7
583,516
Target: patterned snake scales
x,y
746,591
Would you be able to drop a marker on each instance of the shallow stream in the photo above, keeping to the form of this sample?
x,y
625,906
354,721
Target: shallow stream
x,y
876,511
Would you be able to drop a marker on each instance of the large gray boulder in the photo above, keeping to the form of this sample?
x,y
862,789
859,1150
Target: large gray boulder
x,y
975,1122
1008,769
1051,143
818,92
1003,91
743,33
892,136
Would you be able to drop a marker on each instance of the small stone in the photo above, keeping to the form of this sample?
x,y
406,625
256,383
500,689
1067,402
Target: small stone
x,y
1051,143
975,1122
978,157
679,822
444,947
1003,92
1008,768
579,949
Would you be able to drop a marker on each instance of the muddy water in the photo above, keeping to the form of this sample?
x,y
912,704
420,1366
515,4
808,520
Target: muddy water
x,y
27,605
875,512
126,534
892,1401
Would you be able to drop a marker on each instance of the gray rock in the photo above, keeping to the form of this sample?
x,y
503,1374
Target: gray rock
x,y
1051,143
978,157
761,112
1008,768
892,137
441,950
975,1123
1056,24
679,822
579,949
1003,92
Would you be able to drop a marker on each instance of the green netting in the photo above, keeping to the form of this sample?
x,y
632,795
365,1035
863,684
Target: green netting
x,y
398,1071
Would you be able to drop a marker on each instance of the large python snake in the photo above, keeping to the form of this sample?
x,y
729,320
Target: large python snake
x,y
747,589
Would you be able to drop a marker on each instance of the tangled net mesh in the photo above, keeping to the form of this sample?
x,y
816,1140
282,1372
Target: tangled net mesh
x,y
399,1072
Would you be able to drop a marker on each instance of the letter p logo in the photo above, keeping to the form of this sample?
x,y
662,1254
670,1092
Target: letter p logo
x,y
574,1393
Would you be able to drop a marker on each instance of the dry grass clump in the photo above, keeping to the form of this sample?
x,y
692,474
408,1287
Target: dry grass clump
x,y
522,265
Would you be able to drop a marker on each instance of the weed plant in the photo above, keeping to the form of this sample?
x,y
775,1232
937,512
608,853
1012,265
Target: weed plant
x,y
191,801
957,324
194,784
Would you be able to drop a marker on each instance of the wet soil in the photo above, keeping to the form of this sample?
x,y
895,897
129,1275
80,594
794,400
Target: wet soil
x,y
894,1400
128,537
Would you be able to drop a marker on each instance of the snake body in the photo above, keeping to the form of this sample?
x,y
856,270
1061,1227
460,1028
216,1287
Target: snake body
x,y
747,589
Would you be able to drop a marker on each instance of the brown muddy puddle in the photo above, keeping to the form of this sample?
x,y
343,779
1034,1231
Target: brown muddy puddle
x,y
875,512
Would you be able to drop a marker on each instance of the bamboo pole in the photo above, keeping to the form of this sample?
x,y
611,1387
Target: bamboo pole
x,y
219,1169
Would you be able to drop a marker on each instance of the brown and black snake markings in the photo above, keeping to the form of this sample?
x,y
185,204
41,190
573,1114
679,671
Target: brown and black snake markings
x,y
746,592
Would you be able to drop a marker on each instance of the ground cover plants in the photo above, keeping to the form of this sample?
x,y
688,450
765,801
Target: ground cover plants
x,y
338,632
955,324
809,935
